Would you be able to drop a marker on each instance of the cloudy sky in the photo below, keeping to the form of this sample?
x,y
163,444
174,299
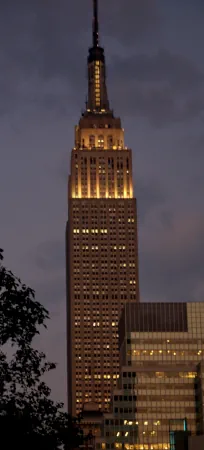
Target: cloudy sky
x,y
155,65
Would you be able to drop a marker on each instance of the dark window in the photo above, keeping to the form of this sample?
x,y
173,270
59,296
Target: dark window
x,y
91,141
110,141
156,317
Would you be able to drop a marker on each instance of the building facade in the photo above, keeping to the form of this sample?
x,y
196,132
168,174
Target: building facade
x,y
101,237
195,443
160,393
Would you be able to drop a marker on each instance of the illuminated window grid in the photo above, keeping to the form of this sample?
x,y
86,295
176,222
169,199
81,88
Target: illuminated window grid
x,y
101,240
97,84
113,179
164,394
148,430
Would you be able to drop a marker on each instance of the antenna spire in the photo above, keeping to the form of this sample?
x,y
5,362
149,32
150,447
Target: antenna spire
x,y
97,90
95,24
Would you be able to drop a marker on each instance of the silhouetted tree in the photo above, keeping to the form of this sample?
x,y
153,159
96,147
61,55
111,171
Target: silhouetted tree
x,y
29,418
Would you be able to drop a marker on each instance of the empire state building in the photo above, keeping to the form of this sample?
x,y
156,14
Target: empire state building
x,y
101,241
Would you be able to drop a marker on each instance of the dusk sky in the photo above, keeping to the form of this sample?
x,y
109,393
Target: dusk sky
x,y
155,76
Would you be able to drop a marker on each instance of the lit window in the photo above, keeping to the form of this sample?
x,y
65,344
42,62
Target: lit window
x,y
101,141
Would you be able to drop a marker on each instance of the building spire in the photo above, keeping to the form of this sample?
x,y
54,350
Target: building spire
x,y
97,91
95,24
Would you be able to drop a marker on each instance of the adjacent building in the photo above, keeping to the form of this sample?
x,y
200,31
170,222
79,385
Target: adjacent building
x,y
195,443
101,236
160,394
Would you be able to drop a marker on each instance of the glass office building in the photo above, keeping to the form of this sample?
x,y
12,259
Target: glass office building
x,y
160,390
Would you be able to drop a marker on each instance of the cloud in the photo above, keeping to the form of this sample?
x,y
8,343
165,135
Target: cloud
x,y
43,62
49,41
50,255
49,280
159,94
150,194
50,290
48,262
133,20
176,70
173,256
163,87
45,34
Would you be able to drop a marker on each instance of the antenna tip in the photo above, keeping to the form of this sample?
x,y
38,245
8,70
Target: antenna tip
x,y
95,24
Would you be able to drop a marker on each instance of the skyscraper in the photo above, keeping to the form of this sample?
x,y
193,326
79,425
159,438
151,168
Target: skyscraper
x,y
102,249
